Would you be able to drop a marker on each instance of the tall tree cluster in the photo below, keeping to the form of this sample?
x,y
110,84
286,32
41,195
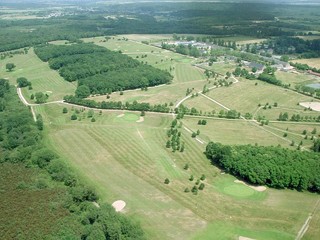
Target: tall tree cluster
x,y
99,69
272,166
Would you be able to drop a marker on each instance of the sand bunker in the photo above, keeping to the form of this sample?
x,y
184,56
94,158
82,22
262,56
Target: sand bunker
x,y
141,119
96,204
119,205
121,115
258,188
245,238
313,105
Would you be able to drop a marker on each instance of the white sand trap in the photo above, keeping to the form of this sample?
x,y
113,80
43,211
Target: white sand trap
x,y
313,105
259,188
121,115
245,238
48,91
96,204
141,119
119,205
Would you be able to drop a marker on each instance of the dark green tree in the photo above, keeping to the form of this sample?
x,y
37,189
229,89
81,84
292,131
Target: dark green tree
x,y
10,66
83,91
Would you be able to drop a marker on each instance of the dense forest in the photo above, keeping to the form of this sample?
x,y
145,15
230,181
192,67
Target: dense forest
x,y
47,181
251,19
272,166
99,69
292,45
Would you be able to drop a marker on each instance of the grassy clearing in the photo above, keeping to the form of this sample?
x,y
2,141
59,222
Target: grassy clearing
x,y
155,95
203,104
296,78
245,97
222,68
148,37
43,79
128,160
313,62
186,73
233,132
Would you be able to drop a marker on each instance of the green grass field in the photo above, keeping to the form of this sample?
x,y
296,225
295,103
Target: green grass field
x,y
296,78
312,62
43,79
128,160
245,97
203,104
233,132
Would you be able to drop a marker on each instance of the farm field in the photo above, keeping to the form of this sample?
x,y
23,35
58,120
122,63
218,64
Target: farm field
x,y
128,160
43,79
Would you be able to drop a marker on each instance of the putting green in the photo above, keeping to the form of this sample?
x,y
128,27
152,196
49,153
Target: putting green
x,y
238,190
226,185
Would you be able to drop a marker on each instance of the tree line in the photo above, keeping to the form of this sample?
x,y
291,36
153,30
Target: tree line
x,y
21,142
134,106
272,166
99,69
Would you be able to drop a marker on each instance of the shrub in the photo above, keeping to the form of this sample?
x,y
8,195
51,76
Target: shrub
x,y
166,181
74,117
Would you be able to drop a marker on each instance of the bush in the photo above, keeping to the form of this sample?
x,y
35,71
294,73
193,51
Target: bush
x,y
194,190
186,190
201,187
186,166
74,117
203,177
166,181
191,178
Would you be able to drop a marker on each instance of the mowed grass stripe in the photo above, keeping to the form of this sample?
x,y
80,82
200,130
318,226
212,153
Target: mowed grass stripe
x,y
184,72
189,200
153,202
133,146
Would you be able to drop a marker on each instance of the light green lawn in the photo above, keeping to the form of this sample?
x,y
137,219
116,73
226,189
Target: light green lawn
x,y
43,79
